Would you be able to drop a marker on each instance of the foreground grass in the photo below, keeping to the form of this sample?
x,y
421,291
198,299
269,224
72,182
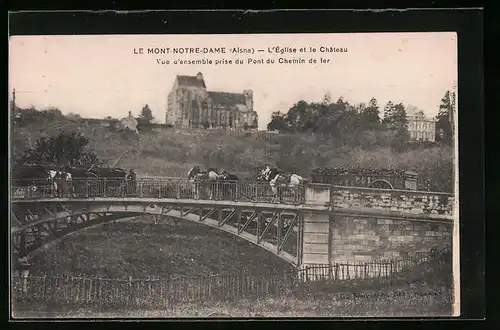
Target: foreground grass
x,y
386,304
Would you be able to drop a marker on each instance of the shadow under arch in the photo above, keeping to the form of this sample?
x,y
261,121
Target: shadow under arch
x,y
115,216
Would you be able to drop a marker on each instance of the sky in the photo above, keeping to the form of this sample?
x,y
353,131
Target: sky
x,y
105,75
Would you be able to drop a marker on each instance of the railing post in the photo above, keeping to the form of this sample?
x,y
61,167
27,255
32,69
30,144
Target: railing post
x,y
105,188
178,189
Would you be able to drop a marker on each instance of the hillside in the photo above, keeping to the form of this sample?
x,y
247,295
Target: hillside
x,y
140,248
171,152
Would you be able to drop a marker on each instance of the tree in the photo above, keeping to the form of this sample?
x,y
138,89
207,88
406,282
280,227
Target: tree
x,y
444,131
399,124
371,114
52,113
61,150
277,122
146,115
388,111
399,118
296,117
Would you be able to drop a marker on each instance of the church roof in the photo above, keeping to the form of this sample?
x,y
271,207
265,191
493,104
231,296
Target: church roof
x,y
191,81
227,99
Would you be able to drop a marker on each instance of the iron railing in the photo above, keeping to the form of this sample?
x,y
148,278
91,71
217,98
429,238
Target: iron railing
x,y
175,188
409,201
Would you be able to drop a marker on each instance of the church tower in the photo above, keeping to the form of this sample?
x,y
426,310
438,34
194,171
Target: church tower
x,y
248,99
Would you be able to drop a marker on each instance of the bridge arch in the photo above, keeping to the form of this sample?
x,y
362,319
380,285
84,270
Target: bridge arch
x,y
57,226
318,234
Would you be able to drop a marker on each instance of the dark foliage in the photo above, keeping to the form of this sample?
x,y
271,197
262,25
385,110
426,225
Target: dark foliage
x,y
61,150
347,124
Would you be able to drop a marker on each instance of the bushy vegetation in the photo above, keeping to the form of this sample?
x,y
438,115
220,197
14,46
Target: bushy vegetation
x,y
61,150
360,125
312,135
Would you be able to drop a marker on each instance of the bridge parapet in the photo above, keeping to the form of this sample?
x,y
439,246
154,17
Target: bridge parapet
x,y
406,201
320,195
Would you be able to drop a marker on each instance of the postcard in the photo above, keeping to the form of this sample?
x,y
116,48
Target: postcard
x,y
234,175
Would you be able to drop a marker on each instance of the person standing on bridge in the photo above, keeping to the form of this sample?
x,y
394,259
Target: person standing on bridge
x,y
131,182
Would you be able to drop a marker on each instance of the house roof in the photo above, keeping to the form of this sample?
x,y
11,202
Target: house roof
x,y
191,81
227,99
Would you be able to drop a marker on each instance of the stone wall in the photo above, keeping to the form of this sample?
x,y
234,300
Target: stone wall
x,y
403,201
368,239
409,222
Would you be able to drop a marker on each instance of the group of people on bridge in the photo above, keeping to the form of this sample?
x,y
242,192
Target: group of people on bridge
x,y
202,183
211,179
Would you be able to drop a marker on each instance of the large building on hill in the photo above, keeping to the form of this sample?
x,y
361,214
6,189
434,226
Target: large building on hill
x,y
191,105
420,127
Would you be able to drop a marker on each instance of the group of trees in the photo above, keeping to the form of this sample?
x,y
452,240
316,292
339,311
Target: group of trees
x,y
445,119
145,116
347,124
359,125
22,117
65,149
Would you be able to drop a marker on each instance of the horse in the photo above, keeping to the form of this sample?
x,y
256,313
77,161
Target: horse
x,y
115,179
228,184
268,173
293,181
277,179
201,181
61,182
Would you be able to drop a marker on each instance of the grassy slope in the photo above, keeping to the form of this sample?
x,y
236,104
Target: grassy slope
x,y
173,153
141,249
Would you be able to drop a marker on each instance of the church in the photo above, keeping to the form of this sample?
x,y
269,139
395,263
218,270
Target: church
x,y
190,105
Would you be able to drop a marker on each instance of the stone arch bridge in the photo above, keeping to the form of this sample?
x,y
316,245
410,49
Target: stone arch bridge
x,y
314,224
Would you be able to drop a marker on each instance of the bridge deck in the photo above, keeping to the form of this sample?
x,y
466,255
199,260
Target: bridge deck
x,y
358,211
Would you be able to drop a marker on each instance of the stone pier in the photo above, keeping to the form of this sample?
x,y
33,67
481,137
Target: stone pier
x,y
400,230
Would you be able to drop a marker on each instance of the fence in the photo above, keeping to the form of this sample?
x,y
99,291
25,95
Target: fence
x,y
83,290
369,270
178,188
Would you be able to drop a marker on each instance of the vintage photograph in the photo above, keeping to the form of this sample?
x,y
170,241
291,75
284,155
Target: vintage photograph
x,y
243,175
